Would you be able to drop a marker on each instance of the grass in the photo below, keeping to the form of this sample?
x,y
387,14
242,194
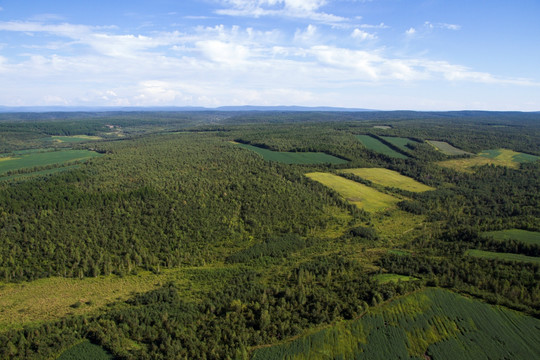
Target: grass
x,y
528,237
503,256
389,178
400,142
507,156
498,157
39,173
295,157
430,324
382,127
33,159
74,138
85,350
386,278
361,195
375,145
446,148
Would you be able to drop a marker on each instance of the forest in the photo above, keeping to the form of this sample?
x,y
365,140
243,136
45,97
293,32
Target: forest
x,y
238,252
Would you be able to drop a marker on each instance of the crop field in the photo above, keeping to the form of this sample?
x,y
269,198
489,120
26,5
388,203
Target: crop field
x,y
375,145
294,157
507,156
32,159
504,256
85,351
389,178
74,138
361,195
431,324
446,148
528,237
382,127
400,142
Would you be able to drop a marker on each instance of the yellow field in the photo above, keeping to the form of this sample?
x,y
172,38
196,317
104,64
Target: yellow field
x,y
53,298
7,158
361,195
389,178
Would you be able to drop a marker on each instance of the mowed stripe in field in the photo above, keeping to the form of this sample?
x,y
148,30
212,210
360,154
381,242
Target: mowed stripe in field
x,y
389,178
361,195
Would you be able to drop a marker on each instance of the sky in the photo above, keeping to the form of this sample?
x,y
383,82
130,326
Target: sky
x,y
374,54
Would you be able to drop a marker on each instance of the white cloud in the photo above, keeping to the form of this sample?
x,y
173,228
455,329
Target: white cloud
x,y
363,35
446,26
308,9
369,26
410,32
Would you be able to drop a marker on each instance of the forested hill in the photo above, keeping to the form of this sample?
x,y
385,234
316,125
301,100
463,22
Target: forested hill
x,y
213,235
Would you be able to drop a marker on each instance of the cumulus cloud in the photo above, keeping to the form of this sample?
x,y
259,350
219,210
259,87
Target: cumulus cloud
x,y
410,32
362,35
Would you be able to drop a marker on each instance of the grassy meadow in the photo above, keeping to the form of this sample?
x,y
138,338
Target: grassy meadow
x,y
389,178
361,195
446,148
503,256
498,157
400,142
528,237
375,145
386,278
430,324
33,159
294,157
74,138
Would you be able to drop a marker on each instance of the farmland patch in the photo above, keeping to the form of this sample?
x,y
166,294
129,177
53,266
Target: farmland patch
x,y
399,142
433,323
375,145
36,159
361,195
74,138
446,148
528,237
294,157
85,350
506,155
389,178
503,256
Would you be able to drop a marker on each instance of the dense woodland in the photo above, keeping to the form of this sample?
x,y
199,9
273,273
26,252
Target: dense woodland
x,y
290,254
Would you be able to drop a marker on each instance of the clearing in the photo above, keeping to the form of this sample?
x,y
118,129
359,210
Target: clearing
x,y
375,145
361,195
446,148
389,178
400,142
503,256
430,324
528,237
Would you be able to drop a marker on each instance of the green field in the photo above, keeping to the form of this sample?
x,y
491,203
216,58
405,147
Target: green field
x,y
32,159
389,178
375,145
295,157
503,256
446,148
74,138
528,237
431,324
361,195
85,351
400,142
508,155
386,278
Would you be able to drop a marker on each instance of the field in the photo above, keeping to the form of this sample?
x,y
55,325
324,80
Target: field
x,y
508,156
375,145
361,195
382,127
74,138
32,159
446,148
385,278
528,237
295,157
503,256
400,142
431,324
85,351
389,178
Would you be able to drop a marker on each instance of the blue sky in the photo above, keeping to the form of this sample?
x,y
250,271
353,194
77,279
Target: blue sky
x,y
378,54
